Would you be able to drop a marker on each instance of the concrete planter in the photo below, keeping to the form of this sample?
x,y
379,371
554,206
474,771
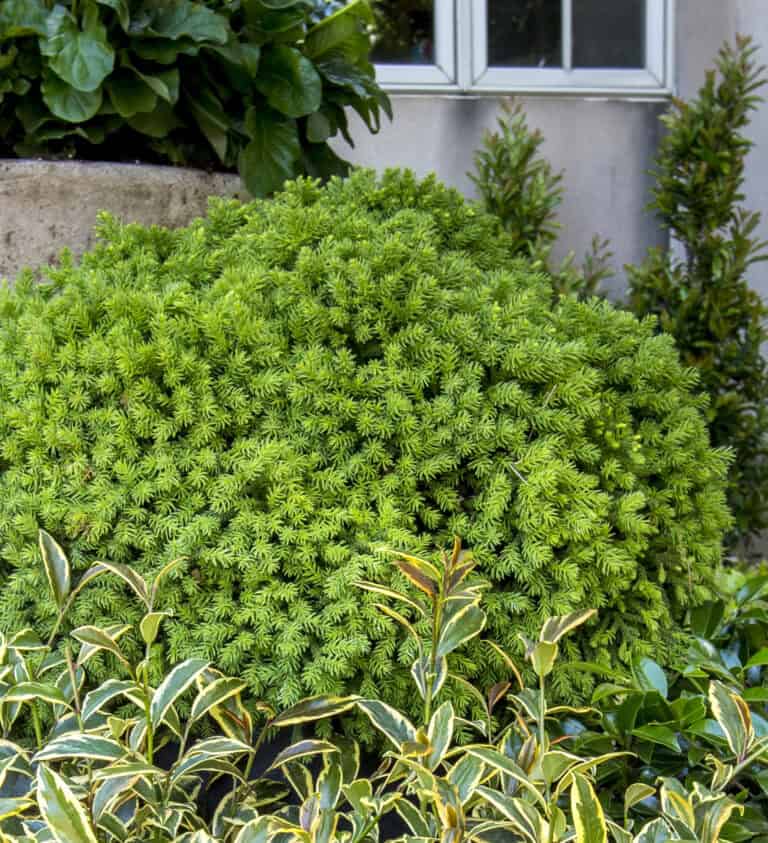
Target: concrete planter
x,y
47,205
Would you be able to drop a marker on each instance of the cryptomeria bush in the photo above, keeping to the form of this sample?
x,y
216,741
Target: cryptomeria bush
x,y
277,389
704,299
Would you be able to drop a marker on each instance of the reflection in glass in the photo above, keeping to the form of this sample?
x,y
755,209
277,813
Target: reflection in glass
x,y
525,33
609,33
404,32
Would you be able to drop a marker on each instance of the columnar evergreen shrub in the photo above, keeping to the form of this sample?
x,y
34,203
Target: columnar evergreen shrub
x,y
517,184
703,298
277,389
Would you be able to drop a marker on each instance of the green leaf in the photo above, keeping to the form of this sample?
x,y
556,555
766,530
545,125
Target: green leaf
x,y
302,749
656,831
466,624
13,806
255,831
185,19
734,717
31,691
289,81
22,17
314,708
212,120
465,775
156,124
97,639
26,639
121,8
342,34
420,671
555,628
389,722
173,686
82,745
56,568
662,735
83,59
129,94
588,815
505,765
215,694
635,794
651,677
440,734
543,657
150,625
95,700
318,128
270,157
759,659
65,816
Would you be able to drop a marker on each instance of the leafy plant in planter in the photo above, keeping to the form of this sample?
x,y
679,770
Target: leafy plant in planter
x,y
278,389
257,85
703,299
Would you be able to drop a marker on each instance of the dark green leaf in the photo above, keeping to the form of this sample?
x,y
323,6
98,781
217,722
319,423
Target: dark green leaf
x,y
186,19
129,94
289,81
651,677
83,59
314,708
269,158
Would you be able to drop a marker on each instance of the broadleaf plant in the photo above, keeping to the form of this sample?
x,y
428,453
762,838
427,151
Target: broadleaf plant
x,y
230,84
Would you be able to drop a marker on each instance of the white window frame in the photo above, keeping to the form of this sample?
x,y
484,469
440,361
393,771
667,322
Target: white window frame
x,y
461,64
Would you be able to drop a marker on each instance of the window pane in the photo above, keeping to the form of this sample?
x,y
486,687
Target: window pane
x,y
404,32
609,33
524,33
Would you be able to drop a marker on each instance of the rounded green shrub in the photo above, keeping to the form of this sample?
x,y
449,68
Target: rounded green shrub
x,y
278,389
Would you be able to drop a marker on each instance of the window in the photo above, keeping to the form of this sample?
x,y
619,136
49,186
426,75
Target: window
x,y
597,46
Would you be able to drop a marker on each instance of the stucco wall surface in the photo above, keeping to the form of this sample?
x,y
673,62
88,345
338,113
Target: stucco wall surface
x,y
47,205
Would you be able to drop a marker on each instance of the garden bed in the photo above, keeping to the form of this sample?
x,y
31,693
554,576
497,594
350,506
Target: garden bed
x,y
48,205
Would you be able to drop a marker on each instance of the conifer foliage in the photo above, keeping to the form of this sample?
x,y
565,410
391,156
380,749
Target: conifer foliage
x,y
704,299
281,387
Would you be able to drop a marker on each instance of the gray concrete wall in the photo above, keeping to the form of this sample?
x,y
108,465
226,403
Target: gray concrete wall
x,y
604,147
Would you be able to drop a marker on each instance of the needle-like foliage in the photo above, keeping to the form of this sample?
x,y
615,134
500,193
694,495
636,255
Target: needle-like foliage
x,y
281,387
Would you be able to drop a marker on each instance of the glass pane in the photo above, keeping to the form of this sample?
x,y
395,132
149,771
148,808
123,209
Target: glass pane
x,y
404,32
524,33
609,33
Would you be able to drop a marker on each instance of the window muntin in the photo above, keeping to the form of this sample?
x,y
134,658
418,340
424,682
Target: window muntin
x,y
588,46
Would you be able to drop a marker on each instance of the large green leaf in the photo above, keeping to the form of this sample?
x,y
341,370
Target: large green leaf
x,y
651,677
186,19
314,708
130,94
173,686
289,81
95,700
89,747
156,124
22,17
440,734
84,58
342,34
588,815
389,722
56,567
460,628
65,816
734,717
270,157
